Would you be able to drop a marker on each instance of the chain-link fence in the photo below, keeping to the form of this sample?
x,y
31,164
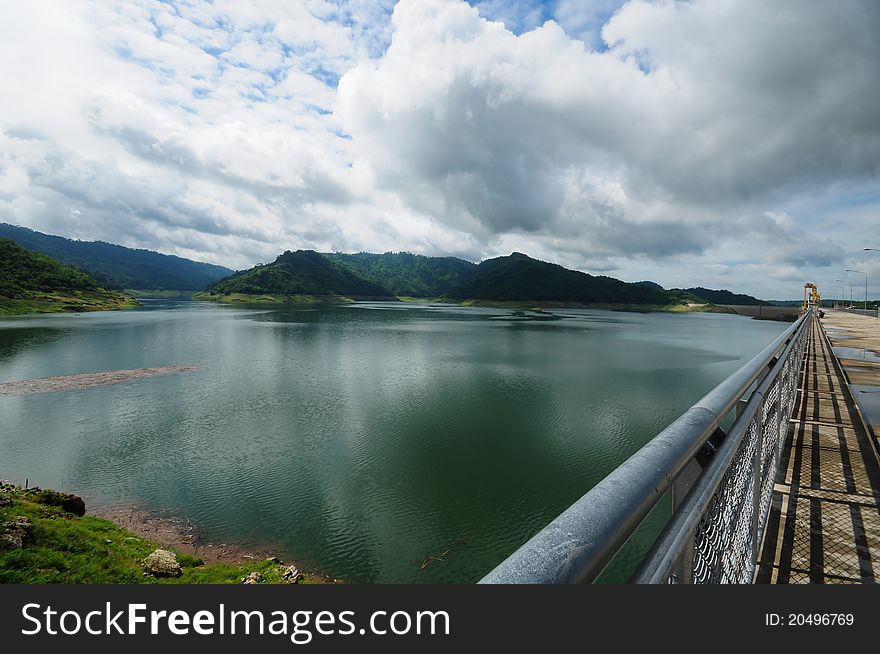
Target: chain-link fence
x,y
721,483
730,530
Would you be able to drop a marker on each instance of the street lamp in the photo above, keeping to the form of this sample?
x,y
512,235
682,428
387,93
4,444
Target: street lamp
x,y
846,281
838,291
862,272
871,250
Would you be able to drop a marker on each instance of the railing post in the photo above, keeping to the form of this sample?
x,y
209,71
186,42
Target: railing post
x,y
684,568
682,484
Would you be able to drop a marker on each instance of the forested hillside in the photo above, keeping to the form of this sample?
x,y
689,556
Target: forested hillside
x,y
119,267
32,282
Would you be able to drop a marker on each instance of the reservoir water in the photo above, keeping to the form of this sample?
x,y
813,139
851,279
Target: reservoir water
x,y
359,440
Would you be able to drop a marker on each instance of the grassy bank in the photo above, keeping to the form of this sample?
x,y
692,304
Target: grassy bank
x,y
250,298
637,308
154,294
66,548
66,303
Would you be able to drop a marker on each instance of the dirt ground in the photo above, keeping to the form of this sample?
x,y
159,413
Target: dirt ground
x,y
170,530
855,331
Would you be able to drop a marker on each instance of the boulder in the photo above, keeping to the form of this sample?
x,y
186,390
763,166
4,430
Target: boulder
x,y
162,563
67,501
253,578
15,534
73,504
291,575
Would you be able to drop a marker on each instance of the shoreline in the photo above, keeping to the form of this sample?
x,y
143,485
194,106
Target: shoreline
x,y
105,536
168,528
773,313
268,300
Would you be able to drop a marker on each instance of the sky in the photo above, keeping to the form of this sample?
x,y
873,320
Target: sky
x,y
725,143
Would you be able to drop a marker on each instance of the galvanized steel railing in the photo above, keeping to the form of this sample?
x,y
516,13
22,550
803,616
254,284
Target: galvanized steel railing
x,y
873,313
721,483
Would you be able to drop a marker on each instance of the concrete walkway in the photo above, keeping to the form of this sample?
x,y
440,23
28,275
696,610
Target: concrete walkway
x,y
824,523
857,341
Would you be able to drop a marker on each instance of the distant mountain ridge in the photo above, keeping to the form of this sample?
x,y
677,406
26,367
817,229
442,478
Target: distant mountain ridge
x,y
518,277
300,273
306,275
116,266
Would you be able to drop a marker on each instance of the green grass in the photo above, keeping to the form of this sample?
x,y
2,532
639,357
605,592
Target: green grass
x,y
66,303
702,308
67,549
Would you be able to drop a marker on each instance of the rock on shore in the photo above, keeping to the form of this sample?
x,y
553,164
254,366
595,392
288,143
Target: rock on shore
x,y
162,563
15,534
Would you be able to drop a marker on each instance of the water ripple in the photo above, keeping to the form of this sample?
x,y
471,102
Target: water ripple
x,y
361,440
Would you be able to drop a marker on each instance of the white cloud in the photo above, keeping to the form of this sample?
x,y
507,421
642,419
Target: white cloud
x,y
697,121
691,143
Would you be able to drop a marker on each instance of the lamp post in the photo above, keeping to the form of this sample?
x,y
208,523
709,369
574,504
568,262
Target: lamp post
x,y
846,281
872,250
838,291
862,272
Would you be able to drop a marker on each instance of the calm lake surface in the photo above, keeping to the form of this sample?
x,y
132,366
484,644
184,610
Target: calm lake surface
x,y
357,439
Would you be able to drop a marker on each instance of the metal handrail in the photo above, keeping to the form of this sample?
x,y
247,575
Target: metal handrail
x,y
578,545
873,313
660,563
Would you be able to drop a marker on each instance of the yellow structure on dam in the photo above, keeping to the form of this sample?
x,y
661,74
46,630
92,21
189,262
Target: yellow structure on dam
x,y
811,296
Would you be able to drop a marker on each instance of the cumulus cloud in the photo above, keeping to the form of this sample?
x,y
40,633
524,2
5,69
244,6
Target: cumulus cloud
x,y
696,117
164,125
650,140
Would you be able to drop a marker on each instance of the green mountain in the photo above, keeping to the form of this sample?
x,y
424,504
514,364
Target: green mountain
x,y
408,275
31,282
520,278
306,275
300,273
116,266
723,296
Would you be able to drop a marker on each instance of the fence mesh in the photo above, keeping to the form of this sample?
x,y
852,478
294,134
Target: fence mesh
x,y
726,537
